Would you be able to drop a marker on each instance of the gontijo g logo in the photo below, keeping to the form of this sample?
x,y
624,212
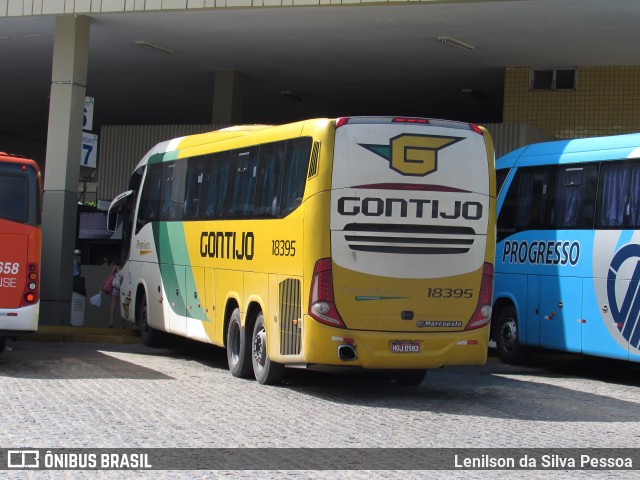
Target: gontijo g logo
x,y
414,155
626,314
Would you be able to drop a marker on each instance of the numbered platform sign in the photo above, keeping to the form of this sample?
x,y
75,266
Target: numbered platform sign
x,y
89,153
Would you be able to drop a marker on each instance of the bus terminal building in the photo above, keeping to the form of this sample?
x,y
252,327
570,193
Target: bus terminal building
x,y
529,70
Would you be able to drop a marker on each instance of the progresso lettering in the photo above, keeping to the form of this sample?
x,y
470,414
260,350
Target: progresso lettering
x,y
231,245
418,208
538,252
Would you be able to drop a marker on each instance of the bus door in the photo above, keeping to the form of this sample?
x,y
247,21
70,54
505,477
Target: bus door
x,y
602,334
529,329
174,301
561,313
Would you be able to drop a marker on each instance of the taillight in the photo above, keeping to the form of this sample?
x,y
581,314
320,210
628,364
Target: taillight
x,y
410,120
475,128
321,301
482,315
341,121
30,295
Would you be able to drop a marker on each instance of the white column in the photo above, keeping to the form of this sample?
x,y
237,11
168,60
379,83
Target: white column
x,y
62,169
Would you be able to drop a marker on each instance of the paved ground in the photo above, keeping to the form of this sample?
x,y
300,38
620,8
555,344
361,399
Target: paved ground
x,y
55,395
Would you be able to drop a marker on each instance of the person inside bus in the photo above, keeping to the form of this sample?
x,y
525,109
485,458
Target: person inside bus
x,y
77,257
78,279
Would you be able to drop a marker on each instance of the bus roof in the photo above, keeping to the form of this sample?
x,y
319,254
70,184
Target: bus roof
x,y
194,143
12,158
592,149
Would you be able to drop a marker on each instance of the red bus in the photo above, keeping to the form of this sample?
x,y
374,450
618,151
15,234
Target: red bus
x,y
20,246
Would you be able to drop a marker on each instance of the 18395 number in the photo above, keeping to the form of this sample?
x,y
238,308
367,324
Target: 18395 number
x,y
450,292
283,248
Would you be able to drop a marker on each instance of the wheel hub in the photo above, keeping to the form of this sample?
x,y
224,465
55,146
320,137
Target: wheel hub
x,y
259,347
509,335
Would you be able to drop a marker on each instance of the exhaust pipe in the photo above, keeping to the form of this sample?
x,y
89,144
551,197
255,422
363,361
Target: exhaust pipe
x,y
347,353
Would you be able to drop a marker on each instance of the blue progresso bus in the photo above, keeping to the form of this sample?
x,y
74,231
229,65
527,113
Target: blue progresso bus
x,y
567,270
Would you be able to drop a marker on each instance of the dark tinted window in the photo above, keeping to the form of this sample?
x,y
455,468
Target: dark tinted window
x,y
574,196
295,175
266,181
268,187
501,176
14,197
550,197
193,195
149,208
619,195
244,186
525,203
219,176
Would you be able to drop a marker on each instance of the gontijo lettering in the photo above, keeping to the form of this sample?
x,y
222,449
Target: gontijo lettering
x,y
561,252
418,208
233,245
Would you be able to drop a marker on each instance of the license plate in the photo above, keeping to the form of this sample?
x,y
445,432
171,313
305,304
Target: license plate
x,y
400,346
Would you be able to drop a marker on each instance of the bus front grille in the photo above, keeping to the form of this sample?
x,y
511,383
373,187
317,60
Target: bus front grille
x,y
290,317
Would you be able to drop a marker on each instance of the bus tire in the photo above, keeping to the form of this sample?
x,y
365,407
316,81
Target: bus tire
x,y
3,343
507,344
238,352
409,377
265,371
150,336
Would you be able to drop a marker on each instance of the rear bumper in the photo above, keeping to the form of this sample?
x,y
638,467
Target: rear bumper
x,y
17,321
374,350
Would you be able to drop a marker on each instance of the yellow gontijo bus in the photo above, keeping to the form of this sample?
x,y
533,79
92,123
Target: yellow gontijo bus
x,y
360,242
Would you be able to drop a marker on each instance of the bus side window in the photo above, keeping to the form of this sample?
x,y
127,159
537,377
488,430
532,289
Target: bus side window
x,y
243,188
149,208
193,188
220,176
501,176
525,203
173,190
14,198
619,200
270,163
574,196
295,174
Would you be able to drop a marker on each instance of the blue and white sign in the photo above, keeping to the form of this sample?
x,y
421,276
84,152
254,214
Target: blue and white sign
x,y
89,155
87,116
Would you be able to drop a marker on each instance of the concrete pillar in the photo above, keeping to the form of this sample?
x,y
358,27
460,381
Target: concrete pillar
x,y
62,169
227,98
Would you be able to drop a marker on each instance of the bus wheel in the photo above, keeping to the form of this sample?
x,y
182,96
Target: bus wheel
x,y
265,371
3,343
410,377
509,348
150,336
238,353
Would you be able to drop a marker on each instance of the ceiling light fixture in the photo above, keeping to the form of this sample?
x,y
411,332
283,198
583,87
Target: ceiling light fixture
x,y
154,47
455,42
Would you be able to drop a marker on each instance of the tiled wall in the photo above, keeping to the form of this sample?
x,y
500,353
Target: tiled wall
x,y
606,101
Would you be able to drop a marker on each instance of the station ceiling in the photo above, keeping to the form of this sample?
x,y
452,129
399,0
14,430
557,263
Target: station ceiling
x,y
333,61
